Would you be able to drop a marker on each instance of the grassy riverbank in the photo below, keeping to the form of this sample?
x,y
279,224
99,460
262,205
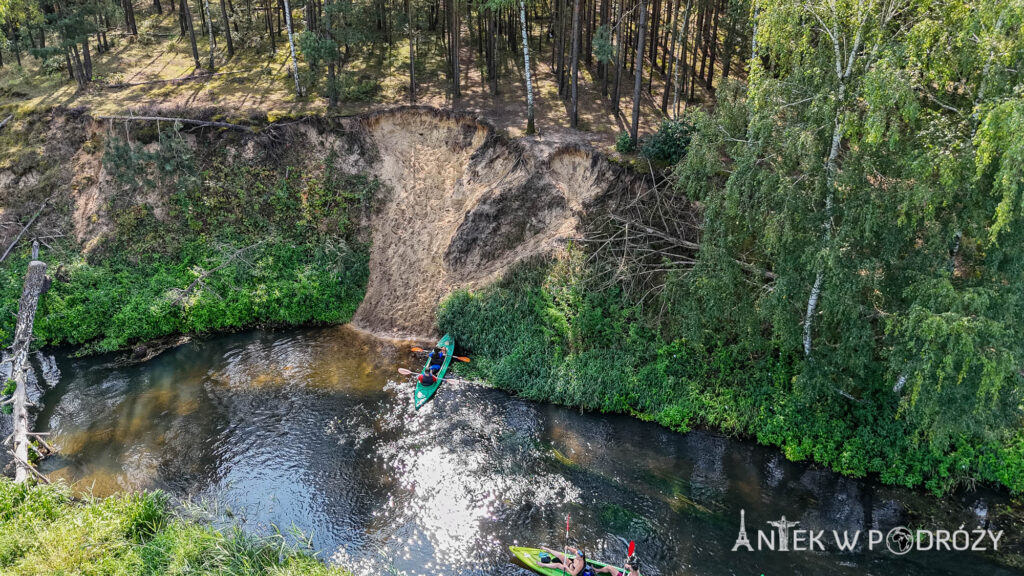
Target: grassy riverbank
x,y
545,333
44,531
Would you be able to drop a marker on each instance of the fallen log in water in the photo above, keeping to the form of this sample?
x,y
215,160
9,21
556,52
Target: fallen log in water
x,y
35,285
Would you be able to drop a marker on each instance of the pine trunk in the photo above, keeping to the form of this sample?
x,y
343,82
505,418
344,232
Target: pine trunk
x,y
186,13
638,77
619,54
672,64
677,84
227,27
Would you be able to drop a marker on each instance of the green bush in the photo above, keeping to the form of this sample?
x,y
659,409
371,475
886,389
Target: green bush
x,y
545,333
624,144
668,145
264,246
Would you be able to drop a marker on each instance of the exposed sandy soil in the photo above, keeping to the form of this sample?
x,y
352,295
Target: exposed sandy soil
x,y
465,205
462,203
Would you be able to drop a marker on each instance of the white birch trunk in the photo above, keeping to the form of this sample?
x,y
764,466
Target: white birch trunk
x,y
831,164
291,46
209,27
530,128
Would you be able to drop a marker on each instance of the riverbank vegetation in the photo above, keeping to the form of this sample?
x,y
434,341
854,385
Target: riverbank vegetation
x,y
855,297
196,240
44,530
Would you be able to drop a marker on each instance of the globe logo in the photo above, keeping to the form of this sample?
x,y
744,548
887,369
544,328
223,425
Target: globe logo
x,y
899,540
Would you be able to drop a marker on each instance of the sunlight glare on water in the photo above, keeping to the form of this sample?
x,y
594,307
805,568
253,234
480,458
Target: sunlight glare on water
x,y
314,430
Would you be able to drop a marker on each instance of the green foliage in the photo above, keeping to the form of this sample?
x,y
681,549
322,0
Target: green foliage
x,y
915,369
604,48
257,245
624,144
44,531
353,89
668,145
9,387
546,332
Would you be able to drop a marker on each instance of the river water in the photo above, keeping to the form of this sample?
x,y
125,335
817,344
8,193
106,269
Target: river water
x,y
313,430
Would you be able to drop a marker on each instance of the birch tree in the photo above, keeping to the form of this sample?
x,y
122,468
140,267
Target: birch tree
x,y
291,46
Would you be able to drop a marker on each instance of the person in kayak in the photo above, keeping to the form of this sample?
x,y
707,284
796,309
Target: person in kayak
x,y
632,568
574,565
436,360
428,379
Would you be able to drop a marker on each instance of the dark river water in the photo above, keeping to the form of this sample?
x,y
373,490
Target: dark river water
x,y
313,430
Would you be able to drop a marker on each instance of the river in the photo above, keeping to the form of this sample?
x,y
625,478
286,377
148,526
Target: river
x,y
313,430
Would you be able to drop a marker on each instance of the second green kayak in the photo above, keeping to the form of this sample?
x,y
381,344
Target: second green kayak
x,y
530,557
423,394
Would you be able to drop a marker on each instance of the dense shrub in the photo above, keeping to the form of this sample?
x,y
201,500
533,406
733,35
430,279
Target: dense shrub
x,y
668,145
259,246
624,144
544,334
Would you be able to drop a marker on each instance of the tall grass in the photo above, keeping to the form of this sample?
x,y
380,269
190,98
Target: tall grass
x,y
43,530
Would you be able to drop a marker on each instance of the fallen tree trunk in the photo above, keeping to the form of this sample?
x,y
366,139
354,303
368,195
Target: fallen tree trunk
x,y
6,120
210,123
182,80
36,284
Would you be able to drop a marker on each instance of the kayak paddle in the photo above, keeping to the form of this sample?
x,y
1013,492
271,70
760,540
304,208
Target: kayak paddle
x,y
459,358
405,372
565,548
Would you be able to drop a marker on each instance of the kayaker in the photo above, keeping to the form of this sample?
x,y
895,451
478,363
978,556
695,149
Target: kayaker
x,y
632,568
574,565
427,379
437,359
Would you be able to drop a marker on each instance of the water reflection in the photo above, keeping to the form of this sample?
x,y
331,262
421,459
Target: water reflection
x,y
310,429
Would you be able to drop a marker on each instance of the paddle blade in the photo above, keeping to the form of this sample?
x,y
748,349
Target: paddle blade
x,y
405,372
632,548
461,358
417,349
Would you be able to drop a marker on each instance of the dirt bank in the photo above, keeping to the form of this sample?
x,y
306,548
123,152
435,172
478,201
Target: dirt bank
x,y
465,204
461,202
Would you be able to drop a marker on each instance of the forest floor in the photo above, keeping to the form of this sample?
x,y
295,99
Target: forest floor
x,y
156,71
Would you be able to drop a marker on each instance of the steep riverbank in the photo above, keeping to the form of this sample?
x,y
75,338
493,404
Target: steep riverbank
x,y
160,228
550,331
155,229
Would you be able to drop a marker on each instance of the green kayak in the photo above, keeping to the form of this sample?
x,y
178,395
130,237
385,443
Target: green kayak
x,y
530,557
423,394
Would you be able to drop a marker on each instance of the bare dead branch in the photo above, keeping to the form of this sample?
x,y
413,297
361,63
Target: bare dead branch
x,y
25,229
207,123
204,274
